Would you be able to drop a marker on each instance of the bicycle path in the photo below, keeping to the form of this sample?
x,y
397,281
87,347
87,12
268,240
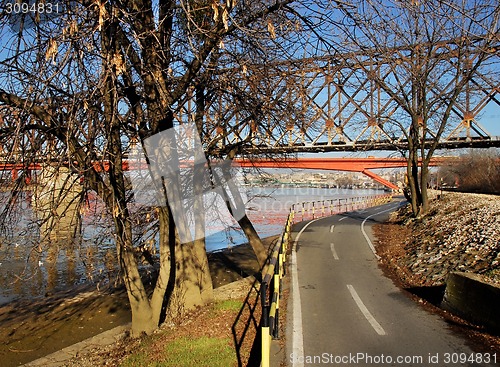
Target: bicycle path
x,y
343,311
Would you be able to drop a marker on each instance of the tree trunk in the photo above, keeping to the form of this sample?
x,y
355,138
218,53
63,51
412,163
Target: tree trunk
x,y
412,168
246,225
116,201
424,178
199,181
143,319
199,244
412,183
190,284
160,295
254,240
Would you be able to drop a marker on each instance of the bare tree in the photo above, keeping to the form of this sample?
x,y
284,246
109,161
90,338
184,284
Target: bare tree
x,y
476,171
99,76
434,60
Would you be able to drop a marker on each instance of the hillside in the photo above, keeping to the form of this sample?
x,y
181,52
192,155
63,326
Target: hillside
x,y
460,233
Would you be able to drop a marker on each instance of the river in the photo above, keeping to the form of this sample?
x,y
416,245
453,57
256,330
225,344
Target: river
x,y
31,269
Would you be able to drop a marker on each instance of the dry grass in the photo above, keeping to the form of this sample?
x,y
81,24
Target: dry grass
x,y
220,334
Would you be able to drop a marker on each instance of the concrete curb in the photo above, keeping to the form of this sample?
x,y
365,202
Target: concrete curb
x,y
473,299
61,357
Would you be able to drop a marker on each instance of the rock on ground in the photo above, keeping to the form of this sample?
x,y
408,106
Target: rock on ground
x,y
460,233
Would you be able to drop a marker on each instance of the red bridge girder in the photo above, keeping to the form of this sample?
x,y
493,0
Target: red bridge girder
x,y
362,165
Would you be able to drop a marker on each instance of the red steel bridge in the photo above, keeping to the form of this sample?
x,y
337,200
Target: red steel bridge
x,y
362,165
336,103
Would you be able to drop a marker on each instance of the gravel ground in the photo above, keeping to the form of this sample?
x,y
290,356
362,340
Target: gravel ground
x,y
460,233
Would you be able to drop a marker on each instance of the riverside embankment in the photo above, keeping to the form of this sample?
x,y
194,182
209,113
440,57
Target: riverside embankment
x,y
460,233
33,329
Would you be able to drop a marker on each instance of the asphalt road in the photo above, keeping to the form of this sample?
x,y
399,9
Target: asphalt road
x,y
344,312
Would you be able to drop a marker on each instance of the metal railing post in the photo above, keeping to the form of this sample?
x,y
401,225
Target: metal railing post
x,y
276,295
265,335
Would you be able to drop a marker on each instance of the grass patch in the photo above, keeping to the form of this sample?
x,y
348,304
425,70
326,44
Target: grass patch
x,y
204,351
205,341
137,359
229,305
188,352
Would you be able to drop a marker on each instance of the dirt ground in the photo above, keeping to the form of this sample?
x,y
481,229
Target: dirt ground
x,y
32,329
239,326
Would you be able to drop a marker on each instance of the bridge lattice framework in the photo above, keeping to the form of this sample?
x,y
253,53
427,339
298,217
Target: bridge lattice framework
x,y
334,103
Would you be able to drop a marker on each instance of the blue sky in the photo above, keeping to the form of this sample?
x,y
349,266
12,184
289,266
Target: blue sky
x,y
489,118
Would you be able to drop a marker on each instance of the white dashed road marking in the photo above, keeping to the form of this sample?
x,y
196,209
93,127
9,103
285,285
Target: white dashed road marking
x,y
376,326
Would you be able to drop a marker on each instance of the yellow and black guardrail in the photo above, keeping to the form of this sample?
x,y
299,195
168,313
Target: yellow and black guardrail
x,y
271,287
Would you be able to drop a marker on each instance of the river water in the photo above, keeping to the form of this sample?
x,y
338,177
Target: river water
x,y
30,268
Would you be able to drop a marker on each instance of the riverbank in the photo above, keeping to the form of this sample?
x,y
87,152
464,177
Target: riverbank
x,y
460,233
32,329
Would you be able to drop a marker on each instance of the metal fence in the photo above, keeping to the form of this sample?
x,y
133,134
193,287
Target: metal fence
x,y
316,209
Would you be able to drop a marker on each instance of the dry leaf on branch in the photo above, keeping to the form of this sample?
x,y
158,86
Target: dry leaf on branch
x,y
271,30
52,50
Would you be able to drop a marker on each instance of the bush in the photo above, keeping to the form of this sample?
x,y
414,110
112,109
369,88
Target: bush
x,y
477,171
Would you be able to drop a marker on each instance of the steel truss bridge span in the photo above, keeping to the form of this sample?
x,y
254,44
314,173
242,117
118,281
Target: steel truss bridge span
x,y
335,102
345,103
